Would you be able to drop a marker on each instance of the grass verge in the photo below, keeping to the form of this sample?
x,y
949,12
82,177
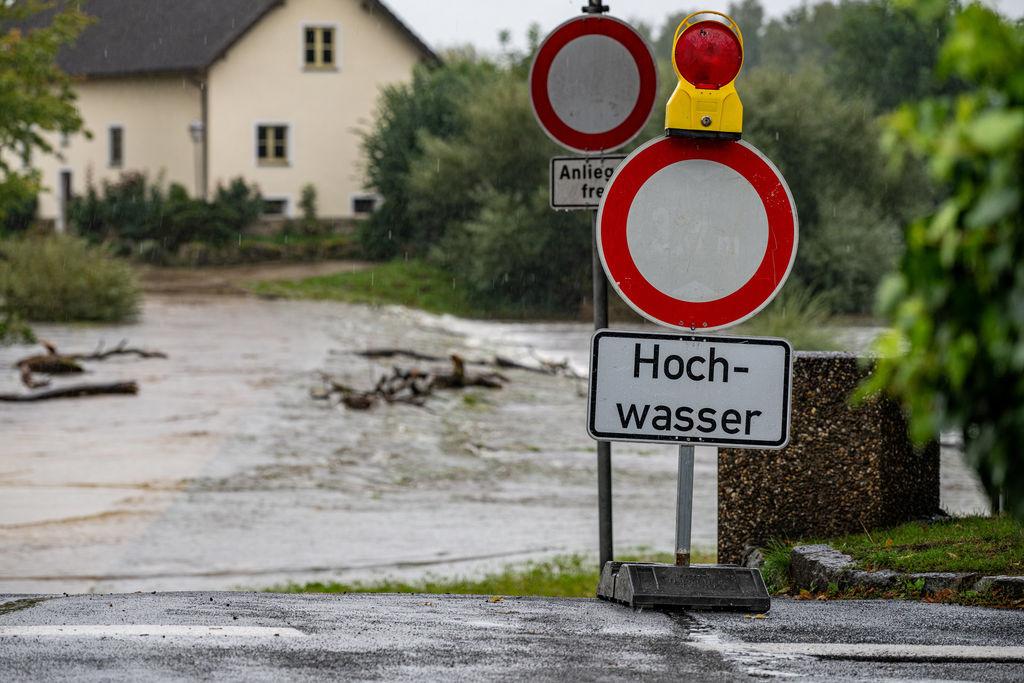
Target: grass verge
x,y
985,545
564,576
982,545
407,283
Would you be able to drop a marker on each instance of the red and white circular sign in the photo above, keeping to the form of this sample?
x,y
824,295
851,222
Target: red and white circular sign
x,y
697,234
593,83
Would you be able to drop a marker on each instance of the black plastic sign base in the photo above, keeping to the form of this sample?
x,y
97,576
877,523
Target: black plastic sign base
x,y
668,587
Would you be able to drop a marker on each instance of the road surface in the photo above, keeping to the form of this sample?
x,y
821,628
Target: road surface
x,y
262,636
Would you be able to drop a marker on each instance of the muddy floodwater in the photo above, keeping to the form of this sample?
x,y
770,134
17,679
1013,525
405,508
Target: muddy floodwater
x,y
224,473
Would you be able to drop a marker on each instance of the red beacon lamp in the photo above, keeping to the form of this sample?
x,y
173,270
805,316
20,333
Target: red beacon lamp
x,y
707,55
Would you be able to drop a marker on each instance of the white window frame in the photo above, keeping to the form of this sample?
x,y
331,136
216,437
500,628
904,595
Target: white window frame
x,y
110,145
289,150
288,204
310,68
364,195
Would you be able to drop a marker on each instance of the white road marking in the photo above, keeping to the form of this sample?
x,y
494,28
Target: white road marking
x,y
143,630
872,651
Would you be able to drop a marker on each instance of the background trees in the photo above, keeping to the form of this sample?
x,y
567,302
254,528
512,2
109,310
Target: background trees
x,y
462,164
35,100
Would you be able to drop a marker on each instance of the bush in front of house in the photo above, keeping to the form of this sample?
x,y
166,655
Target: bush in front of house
x,y
59,278
144,219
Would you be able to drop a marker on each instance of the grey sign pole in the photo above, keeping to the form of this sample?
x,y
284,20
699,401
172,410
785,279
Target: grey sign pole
x,y
604,448
684,506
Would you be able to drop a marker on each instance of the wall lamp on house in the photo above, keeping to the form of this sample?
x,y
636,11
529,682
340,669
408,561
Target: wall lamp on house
x,y
196,130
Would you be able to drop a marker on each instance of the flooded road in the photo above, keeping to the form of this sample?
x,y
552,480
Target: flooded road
x,y
223,473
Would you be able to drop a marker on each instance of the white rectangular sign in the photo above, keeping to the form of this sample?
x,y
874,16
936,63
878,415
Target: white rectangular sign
x,y
579,182
688,389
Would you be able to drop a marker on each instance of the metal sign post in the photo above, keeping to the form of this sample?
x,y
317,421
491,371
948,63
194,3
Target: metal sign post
x,y
684,506
593,85
696,231
606,551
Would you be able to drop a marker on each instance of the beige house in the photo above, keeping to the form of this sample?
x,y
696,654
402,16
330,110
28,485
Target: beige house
x,y
199,92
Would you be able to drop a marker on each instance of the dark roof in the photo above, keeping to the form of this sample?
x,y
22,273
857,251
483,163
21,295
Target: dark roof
x,y
172,36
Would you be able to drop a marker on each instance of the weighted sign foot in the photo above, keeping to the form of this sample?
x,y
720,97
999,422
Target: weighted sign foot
x,y
668,587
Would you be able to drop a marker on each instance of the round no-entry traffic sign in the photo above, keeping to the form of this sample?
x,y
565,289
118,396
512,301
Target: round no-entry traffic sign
x,y
696,233
593,83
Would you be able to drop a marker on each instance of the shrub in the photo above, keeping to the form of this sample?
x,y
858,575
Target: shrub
x,y
64,279
132,211
956,354
20,215
430,105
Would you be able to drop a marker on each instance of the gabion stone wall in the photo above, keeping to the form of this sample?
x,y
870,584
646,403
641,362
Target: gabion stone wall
x,y
845,469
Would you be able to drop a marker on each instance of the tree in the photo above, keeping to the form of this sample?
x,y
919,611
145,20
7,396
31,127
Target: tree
x,y
887,52
36,98
850,204
956,353
430,105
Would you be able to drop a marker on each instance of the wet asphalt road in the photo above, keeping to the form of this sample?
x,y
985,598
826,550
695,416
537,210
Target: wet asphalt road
x,y
261,636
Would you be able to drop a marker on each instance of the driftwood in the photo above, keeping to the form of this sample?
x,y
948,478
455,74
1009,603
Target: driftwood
x,y
55,363
411,386
543,367
74,391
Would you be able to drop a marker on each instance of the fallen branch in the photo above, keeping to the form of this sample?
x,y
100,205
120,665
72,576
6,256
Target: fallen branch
x,y
411,386
56,363
74,391
121,349
543,367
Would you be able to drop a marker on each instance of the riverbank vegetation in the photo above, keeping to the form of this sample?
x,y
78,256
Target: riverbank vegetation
x,y
563,576
64,279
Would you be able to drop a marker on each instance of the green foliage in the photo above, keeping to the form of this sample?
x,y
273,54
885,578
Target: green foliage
x,y
881,50
406,283
20,215
144,218
850,202
35,95
429,105
64,279
309,224
956,353
12,329
887,52
797,316
498,232
775,570
986,545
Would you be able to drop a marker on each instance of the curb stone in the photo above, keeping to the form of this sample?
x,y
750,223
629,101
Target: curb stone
x,y
815,567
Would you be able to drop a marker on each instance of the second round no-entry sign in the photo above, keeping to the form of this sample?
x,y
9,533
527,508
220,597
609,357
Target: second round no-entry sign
x,y
593,83
697,234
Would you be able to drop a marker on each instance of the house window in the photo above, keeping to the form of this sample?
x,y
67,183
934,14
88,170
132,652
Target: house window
x,y
365,204
319,48
272,145
275,207
116,146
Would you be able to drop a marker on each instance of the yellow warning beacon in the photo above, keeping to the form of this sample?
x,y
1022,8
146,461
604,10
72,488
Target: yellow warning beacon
x,y
707,55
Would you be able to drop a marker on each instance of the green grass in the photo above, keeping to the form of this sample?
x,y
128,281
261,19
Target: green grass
x,y
797,316
986,545
982,545
565,576
408,283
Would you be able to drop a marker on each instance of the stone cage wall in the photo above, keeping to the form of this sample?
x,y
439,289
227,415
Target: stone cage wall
x,y
846,469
